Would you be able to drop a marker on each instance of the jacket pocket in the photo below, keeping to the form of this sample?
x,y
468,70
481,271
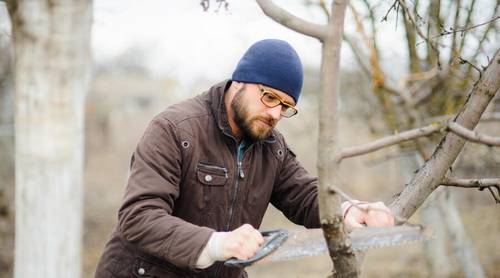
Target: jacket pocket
x,y
211,175
143,267
210,183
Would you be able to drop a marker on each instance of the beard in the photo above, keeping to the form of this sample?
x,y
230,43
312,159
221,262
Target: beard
x,y
254,127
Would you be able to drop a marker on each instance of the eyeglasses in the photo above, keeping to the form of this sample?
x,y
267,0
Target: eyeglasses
x,y
271,100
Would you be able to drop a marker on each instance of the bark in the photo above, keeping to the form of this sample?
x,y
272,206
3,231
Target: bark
x,y
51,76
6,147
428,178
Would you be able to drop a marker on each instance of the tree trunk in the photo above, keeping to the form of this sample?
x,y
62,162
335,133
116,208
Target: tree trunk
x,y
344,260
6,147
51,77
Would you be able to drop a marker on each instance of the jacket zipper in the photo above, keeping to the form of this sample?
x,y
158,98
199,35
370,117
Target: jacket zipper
x,y
239,174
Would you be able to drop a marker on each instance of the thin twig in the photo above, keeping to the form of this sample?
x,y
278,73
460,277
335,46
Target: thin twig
x,y
463,61
463,30
393,6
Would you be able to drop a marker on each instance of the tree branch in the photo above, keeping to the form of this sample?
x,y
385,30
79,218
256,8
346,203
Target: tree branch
x,y
291,21
481,184
473,136
390,140
413,134
471,183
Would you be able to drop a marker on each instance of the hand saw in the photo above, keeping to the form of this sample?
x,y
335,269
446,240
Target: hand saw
x,y
282,245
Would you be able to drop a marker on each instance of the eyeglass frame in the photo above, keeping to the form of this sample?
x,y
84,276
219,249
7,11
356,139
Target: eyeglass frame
x,y
281,102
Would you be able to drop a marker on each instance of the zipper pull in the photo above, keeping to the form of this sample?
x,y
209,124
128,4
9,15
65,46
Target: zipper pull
x,y
242,175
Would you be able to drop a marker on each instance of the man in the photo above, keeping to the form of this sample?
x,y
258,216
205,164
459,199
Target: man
x,y
206,169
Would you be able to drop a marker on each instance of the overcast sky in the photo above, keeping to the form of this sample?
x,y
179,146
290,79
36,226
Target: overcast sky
x,y
183,41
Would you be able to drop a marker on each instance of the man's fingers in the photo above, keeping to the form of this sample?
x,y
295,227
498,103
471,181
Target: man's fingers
x,y
379,218
372,214
243,242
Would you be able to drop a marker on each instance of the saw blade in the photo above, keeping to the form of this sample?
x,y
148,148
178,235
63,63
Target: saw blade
x,y
307,243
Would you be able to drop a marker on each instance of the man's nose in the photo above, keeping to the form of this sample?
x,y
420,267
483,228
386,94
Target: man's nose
x,y
275,112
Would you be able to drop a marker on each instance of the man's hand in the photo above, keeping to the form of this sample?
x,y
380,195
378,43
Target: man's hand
x,y
241,243
367,214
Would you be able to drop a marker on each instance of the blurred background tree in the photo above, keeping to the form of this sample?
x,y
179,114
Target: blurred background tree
x,y
6,146
51,74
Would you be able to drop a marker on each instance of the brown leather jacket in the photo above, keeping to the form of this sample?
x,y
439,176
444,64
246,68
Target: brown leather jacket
x,y
185,183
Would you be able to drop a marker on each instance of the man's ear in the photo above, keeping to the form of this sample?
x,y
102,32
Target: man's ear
x,y
236,85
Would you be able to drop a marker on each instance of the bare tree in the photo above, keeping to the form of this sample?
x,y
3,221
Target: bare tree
x,y
51,76
433,172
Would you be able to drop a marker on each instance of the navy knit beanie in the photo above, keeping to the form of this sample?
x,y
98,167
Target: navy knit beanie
x,y
273,63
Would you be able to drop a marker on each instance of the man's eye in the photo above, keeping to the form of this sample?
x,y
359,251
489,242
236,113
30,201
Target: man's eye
x,y
271,97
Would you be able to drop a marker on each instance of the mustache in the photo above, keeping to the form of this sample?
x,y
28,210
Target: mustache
x,y
268,120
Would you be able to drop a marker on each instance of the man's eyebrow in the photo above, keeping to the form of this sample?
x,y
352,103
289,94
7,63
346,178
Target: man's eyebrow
x,y
283,99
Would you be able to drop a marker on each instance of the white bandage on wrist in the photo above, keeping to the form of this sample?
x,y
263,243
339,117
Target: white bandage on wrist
x,y
213,251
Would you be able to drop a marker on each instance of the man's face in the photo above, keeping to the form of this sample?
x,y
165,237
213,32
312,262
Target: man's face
x,y
255,119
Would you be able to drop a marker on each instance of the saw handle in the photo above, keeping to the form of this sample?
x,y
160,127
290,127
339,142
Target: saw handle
x,y
274,239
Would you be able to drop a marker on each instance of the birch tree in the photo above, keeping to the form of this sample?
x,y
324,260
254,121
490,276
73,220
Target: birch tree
x,y
51,76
